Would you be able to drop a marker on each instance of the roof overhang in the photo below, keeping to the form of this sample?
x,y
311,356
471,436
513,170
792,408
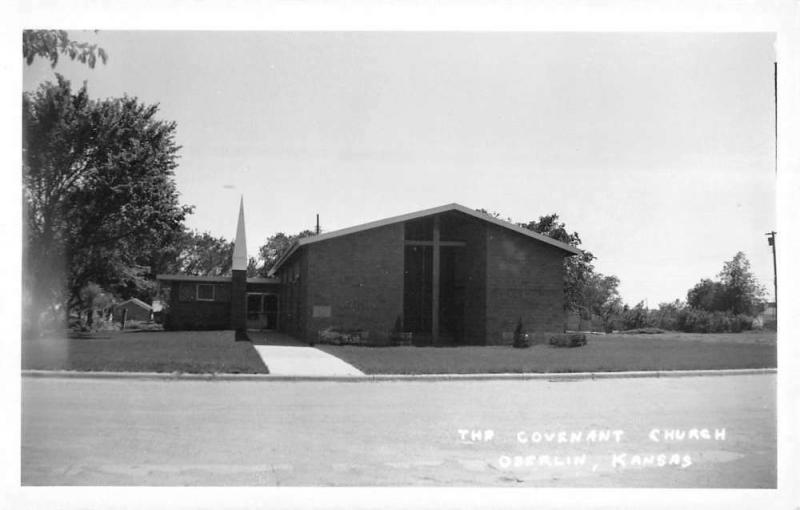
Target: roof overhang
x,y
263,280
209,279
192,278
421,214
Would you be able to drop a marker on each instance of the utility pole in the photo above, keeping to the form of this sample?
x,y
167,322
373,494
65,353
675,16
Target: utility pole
x,y
775,81
771,241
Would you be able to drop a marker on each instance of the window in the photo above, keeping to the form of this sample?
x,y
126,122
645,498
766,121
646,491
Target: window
x,y
205,292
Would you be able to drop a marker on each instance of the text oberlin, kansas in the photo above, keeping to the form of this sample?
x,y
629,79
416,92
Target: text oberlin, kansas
x,y
618,459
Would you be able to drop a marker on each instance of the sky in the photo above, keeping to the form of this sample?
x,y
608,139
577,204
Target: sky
x,y
657,148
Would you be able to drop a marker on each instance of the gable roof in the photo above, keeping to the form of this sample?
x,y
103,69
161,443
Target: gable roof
x,y
420,214
137,302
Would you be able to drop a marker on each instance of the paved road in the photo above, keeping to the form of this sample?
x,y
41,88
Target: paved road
x,y
138,432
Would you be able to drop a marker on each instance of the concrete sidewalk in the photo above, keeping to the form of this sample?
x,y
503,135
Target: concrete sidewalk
x,y
288,357
285,360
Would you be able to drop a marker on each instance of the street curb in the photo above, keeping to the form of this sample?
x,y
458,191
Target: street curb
x,y
555,377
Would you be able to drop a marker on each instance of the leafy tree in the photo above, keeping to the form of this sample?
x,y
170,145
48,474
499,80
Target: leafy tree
x,y
275,246
494,214
50,44
636,317
252,267
668,315
579,271
94,298
708,295
600,296
204,255
743,293
737,290
99,194
198,254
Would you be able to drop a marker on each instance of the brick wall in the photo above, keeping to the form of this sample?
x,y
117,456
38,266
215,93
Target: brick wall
x,y
301,306
357,280
186,313
238,300
265,288
524,280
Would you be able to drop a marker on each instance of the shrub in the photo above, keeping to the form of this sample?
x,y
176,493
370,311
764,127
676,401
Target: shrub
x,y
678,317
520,336
643,331
340,336
692,320
568,340
397,336
742,322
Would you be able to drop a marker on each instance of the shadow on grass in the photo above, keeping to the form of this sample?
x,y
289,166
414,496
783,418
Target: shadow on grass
x,y
150,351
275,338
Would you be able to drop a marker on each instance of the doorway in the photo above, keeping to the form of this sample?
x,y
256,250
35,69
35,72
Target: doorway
x,y
262,311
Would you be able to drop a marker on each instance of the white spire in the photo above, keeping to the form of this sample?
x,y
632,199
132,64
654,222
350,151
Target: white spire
x,y
240,245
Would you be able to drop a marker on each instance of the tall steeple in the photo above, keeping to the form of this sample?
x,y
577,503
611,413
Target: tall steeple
x,y
239,279
240,245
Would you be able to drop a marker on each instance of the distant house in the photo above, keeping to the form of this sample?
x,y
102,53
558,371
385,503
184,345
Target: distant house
x,y
137,310
450,274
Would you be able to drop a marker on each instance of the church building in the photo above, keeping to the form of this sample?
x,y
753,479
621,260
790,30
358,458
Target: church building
x,y
448,275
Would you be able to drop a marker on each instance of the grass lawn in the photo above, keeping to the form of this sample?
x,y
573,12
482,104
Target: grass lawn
x,y
603,353
152,351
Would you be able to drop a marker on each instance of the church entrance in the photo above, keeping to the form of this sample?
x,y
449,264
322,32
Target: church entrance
x,y
262,311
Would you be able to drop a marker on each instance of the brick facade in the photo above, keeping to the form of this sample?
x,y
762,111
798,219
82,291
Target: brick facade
x,y
357,282
353,282
524,279
238,300
186,312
